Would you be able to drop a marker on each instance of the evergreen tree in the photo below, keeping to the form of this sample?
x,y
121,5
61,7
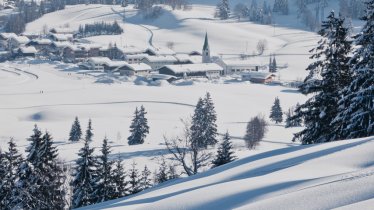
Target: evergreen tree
x,y
224,153
33,150
292,123
75,132
327,75
23,196
104,188
84,177
223,10
145,181
161,175
134,180
89,133
119,177
276,114
12,160
3,173
356,108
274,64
139,127
204,127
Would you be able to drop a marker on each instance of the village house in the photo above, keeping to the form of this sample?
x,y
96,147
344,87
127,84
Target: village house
x,y
187,59
4,38
17,41
137,69
258,77
39,44
207,70
25,52
61,37
157,62
238,66
113,65
136,58
96,63
62,31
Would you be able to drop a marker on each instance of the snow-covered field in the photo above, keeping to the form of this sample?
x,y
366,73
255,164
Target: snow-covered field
x,y
279,173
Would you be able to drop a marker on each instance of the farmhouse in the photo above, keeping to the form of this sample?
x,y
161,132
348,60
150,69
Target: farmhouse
x,y
258,77
159,51
26,52
4,37
17,41
135,58
187,59
61,37
112,65
157,62
39,44
138,69
209,70
97,63
238,66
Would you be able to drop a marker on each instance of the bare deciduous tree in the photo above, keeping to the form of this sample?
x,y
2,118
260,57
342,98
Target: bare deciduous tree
x,y
261,46
256,130
191,158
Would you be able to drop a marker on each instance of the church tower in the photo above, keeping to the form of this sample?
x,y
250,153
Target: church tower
x,y
206,50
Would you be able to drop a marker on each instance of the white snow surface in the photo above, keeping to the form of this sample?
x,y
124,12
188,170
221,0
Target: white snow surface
x,y
322,176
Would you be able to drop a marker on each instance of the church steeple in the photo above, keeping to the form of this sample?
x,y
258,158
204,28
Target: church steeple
x,y
206,50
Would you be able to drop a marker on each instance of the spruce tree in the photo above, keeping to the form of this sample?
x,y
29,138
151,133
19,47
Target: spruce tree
x,y
327,75
134,179
75,132
224,153
104,188
276,114
84,177
89,133
223,10
139,127
33,149
3,173
161,175
12,159
203,126
119,176
274,64
356,108
145,180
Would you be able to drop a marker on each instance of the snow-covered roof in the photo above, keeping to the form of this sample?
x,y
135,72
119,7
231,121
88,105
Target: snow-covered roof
x,y
62,37
139,67
242,63
258,74
202,67
136,56
131,50
186,58
61,44
160,76
165,58
7,35
116,63
28,50
161,51
99,60
62,30
42,41
20,39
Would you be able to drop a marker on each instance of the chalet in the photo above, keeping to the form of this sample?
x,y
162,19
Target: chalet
x,y
26,52
39,43
72,53
138,69
4,38
135,58
238,66
258,77
209,70
97,63
131,50
5,55
58,47
159,51
112,52
159,77
113,65
157,62
187,59
61,37
17,41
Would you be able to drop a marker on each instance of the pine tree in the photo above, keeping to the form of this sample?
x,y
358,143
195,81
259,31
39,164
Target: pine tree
x,y
145,181
274,64
75,132
139,127
134,180
223,10
270,65
224,153
84,177
211,118
104,188
276,114
197,137
34,148
356,108
119,176
327,75
3,181
89,133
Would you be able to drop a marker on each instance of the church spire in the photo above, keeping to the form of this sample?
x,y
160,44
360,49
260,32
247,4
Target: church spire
x,y
206,50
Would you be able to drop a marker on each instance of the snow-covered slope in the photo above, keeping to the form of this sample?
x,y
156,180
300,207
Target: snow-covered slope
x,y
322,176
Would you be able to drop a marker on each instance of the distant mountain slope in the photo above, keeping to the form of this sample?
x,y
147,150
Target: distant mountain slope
x,y
322,176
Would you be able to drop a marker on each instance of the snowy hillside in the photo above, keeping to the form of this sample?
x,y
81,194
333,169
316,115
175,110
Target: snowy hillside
x,y
291,178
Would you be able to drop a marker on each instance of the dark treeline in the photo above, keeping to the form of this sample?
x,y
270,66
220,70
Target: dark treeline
x,y
100,28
